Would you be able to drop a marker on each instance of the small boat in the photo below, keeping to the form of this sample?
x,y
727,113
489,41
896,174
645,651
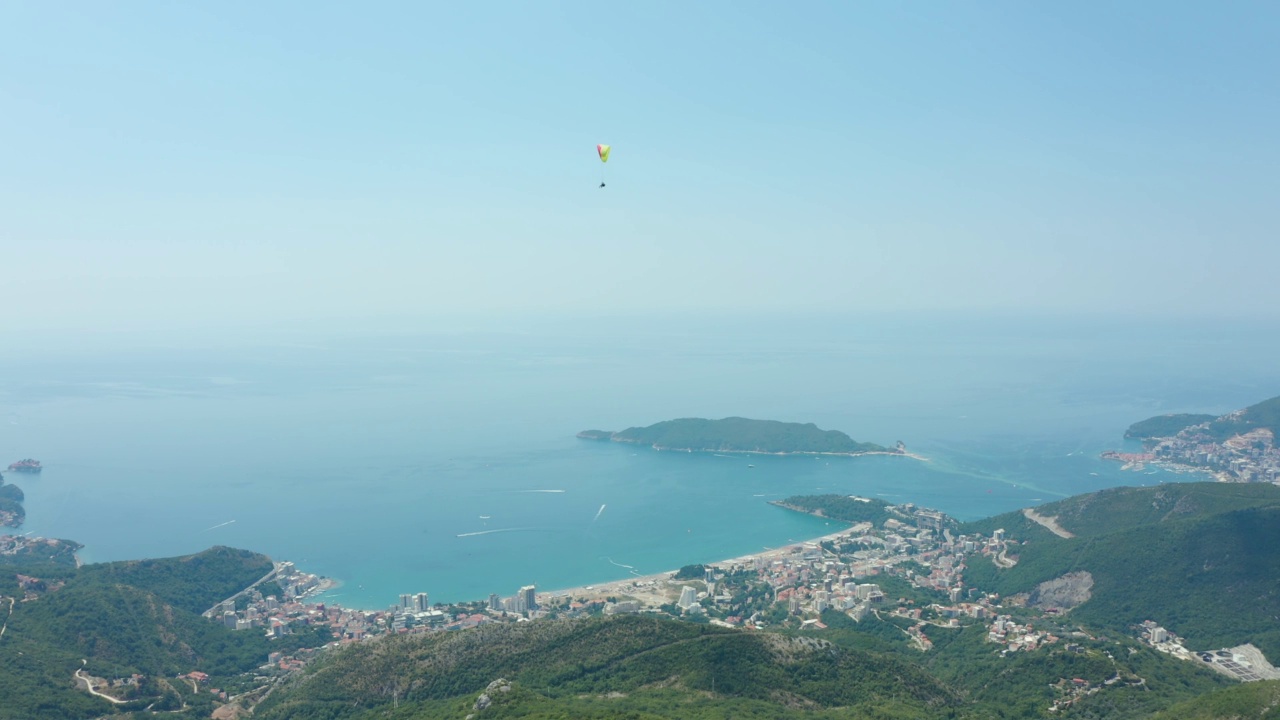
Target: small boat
x,y
750,466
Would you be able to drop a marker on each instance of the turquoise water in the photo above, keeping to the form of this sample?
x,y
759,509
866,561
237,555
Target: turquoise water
x,y
372,458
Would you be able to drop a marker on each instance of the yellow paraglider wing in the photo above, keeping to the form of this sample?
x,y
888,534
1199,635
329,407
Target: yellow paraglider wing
x,y
604,152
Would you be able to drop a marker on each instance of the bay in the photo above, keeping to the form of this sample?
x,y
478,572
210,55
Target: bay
x,y
400,460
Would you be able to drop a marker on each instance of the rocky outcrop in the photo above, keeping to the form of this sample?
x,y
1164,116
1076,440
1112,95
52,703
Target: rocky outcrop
x,y
1063,593
486,698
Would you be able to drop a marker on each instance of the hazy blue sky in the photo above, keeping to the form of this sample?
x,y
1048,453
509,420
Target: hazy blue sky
x,y
246,162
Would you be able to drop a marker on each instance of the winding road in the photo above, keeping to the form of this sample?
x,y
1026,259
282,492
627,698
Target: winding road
x,y
82,678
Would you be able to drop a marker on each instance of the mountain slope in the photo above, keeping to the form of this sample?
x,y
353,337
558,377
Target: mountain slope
x,y
1263,415
1199,558
602,656
117,620
1164,426
1244,702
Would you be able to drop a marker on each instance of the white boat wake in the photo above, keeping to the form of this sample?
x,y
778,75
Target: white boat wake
x,y
215,527
490,532
598,514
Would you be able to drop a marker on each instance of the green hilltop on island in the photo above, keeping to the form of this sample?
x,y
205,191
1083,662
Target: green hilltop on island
x,y
742,435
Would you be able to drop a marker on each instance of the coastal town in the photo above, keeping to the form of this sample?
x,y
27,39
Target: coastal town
x,y
902,572
1248,457
907,570
899,570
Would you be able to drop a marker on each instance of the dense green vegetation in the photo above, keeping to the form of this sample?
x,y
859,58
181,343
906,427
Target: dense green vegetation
x,y
690,572
38,556
11,492
634,667
1164,426
1243,702
635,656
840,507
1107,511
737,434
1265,414
11,497
1197,549
192,582
124,618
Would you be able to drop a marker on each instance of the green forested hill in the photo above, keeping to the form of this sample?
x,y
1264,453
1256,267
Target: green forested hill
x,y
737,434
191,582
1265,414
122,618
1250,701
1113,509
1164,426
11,497
648,666
1203,559
839,507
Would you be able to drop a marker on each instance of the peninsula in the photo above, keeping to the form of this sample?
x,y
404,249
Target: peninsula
x,y
1237,447
742,435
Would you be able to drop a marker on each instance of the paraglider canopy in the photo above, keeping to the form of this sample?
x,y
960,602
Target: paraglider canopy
x,y
603,151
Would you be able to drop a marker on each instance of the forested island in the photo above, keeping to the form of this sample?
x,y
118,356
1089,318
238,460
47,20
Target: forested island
x,y
742,435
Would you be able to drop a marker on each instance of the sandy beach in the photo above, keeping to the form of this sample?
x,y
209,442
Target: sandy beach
x,y
658,588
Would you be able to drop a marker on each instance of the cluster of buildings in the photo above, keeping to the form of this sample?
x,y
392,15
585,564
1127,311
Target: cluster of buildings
x,y
523,603
914,544
274,613
1244,663
1017,636
1157,636
795,584
1251,457
291,613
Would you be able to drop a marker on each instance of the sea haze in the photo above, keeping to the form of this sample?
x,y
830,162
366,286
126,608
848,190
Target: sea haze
x,y
446,463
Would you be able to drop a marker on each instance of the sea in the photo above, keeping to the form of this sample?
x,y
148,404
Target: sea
x,y
396,458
